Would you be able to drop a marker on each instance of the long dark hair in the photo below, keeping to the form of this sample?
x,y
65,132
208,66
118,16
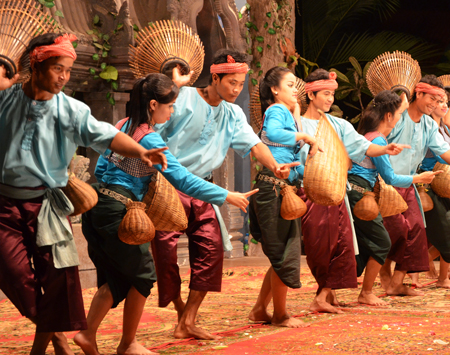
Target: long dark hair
x,y
154,86
385,102
271,79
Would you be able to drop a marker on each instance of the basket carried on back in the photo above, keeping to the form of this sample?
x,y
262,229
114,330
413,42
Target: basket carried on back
x,y
20,22
164,206
393,71
255,102
441,182
136,227
81,194
165,44
390,202
445,80
325,175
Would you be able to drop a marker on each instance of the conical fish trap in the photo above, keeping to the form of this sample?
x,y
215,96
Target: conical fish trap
x,y
325,175
165,44
425,199
445,80
20,21
441,182
390,202
164,205
255,102
393,71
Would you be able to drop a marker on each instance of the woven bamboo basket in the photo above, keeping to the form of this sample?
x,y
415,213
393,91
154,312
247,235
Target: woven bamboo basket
x,y
20,21
136,227
390,202
445,80
427,202
325,175
292,206
366,208
165,44
255,102
393,71
441,182
164,206
81,194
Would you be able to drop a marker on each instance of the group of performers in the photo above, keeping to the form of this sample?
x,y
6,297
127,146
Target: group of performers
x,y
185,133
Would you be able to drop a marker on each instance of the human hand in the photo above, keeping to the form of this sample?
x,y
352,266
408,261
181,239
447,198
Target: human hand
x,y
239,199
179,79
427,176
395,148
282,171
155,156
6,83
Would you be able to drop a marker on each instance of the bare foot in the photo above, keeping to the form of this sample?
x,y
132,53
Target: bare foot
x,y
443,284
432,274
259,315
87,343
370,299
385,279
402,290
332,299
133,349
60,344
183,331
289,322
320,306
415,279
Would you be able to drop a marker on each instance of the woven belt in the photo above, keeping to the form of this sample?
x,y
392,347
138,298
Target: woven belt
x,y
358,188
114,195
272,180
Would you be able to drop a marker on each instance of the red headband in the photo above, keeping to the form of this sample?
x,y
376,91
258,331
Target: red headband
x,y
330,84
231,67
61,48
430,89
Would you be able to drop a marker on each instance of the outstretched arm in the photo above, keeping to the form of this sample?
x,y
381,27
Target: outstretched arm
x,y
376,150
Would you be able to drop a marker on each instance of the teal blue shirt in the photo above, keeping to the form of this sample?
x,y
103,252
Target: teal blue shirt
x,y
175,173
421,136
431,159
199,135
39,138
355,144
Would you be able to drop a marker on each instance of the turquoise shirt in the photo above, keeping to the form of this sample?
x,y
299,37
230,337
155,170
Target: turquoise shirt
x,y
355,144
39,138
279,127
199,135
420,136
175,173
431,159
383,167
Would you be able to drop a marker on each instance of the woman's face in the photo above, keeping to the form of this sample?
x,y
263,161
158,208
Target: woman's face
x,y
393,119
286,92
440,110
160,113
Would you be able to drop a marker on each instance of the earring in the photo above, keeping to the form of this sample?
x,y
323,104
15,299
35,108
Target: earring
x,y
276,93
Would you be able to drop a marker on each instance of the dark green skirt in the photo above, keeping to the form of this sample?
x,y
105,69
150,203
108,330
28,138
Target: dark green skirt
x,y
373,238
118,264
438,224
280,238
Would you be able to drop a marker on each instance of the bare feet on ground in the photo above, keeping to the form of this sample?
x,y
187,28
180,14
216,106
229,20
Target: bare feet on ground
x,y
60,344
87,344
385,279
133,349
259,315
432,274
289,322
443,284
415,280
320,306
402,290
332,299
370,299
183,331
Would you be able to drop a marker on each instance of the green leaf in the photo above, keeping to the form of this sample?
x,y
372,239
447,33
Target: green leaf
x,y
49,4
257,167
260,73
269,14
249,51
109,72
112,101
356,65
108,95
249,24
119,26
260,39
254,81
366,68
255,28
284,65
103,65
135,28
266,25
275,25
258,64
96,19
95,56
247,5
239,15
92,71
355,119
340,76
96,77
99,46
272,31
107,47
90,32
105,37
114,85
279,7
253,182
259,49
96,32
247,39
250,72
104,54
254,158
59,13
269,46
75,44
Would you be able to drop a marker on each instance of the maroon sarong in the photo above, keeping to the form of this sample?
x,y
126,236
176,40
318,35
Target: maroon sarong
x,y
205,252
328,241
408,236
60,308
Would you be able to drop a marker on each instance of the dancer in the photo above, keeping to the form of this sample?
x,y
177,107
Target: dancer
x,y
41,129
407,230
373,240
327,232
204,126
127,271
280,238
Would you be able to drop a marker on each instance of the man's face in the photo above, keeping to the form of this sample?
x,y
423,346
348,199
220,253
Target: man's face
x,y
427,103
230,86
322,100
52,74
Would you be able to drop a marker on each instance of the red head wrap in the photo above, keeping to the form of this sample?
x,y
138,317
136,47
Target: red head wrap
x,y
430,89
231,67
330,84
61,48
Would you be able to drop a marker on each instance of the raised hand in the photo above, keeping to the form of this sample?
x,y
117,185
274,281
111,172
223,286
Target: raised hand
x,y
181,80
239,199
282,171
155,156
395,148
6,83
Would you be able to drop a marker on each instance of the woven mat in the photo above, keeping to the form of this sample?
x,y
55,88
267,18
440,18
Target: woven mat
x,y
416,325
